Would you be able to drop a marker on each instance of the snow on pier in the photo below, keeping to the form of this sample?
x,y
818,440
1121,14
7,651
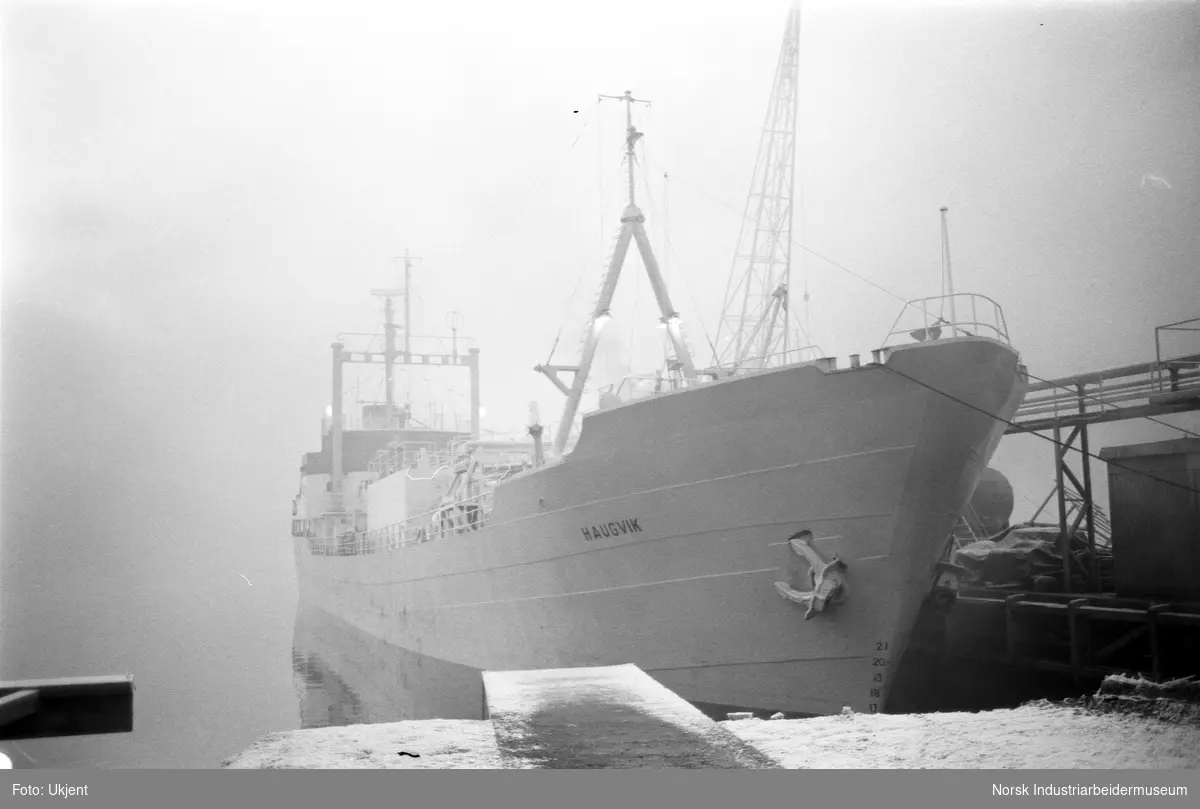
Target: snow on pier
x,y
618,717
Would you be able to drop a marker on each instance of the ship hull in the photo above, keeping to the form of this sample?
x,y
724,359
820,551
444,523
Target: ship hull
x,y
660,539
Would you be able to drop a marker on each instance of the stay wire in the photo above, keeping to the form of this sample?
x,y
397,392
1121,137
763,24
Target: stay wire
x,y
805,248
671,248
943,393
692,299
898,297
1113,407
1029,431
600,185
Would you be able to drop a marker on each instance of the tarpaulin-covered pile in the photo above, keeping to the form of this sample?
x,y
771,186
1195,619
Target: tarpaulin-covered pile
x,y
1024,557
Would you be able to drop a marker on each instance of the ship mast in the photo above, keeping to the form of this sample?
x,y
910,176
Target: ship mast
x,y
947,274
757,291
389,329
632,229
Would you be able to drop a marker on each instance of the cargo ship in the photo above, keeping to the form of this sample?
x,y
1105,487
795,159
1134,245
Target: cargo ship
x,y
763,539
759,533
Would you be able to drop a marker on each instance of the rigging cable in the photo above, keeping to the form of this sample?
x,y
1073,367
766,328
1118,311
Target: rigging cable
x,y
805,325
805,248
687,287
600,167
1026,430
692,298
600,191
898,297
805,330
942,296
667,346
1112,407
666,247
666,226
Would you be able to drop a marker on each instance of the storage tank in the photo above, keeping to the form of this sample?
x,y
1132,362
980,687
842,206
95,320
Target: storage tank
x,y
991,504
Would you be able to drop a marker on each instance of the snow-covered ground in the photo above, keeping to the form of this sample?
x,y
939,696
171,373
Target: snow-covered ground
x,y
1037,736
441,744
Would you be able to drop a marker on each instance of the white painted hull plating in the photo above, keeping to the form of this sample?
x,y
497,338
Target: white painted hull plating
x,y
717,478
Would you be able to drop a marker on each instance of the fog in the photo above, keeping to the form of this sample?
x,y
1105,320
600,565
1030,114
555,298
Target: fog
x,y
199,197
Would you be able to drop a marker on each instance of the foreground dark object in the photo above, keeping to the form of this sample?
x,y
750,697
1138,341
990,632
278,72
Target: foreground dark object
x,y
68,706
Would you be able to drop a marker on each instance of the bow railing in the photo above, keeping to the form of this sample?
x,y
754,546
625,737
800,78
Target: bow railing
x,y
963,314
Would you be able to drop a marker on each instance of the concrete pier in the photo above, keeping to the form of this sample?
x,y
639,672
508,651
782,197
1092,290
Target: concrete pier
x,y
617,717
584,718
606,717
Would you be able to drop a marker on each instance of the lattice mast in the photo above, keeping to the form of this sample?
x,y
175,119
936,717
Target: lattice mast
x,y
755,317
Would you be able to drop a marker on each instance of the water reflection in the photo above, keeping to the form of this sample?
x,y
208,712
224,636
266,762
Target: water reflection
x,y
344,676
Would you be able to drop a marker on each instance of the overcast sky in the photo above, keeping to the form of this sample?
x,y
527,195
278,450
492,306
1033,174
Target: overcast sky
x,y
198,198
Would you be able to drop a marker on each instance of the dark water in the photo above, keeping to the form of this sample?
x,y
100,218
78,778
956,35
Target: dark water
x,y
216,664
345,677
210,661
136,489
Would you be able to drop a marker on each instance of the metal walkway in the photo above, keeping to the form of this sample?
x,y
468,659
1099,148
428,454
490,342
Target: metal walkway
x,y
1166,385
1115,394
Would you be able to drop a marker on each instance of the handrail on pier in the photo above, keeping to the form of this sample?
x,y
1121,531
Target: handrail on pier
x,y
1112,394
1147,389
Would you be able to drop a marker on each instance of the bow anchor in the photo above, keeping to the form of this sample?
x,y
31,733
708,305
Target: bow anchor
x,y
829,578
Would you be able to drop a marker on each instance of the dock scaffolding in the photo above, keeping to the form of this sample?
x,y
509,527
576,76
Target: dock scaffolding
x,y
1084,632
1165,386
1083,637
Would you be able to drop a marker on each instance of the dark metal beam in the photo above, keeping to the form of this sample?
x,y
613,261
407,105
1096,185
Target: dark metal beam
x,y
1064,540
1116,414
70,706
427,360
18,705
1088,507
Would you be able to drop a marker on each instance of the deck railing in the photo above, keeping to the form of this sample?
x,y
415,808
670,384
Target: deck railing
x,y
1169,369
964,314
450,519
791,356
409,456
644,386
